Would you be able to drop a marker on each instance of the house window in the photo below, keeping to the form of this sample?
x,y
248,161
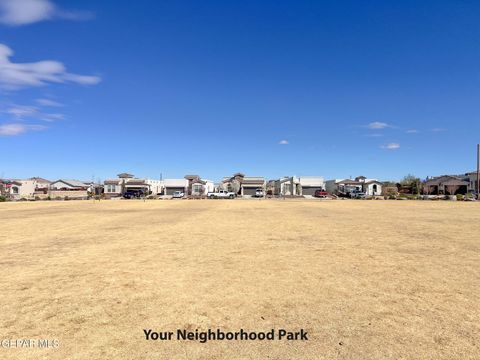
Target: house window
x,y
15,190
110,188
197,189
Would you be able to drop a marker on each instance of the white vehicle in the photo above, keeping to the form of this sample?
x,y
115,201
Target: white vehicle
x,y
221,194
259,193
178,194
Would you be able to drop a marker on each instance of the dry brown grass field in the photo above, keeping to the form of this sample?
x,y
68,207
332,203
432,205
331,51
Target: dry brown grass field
x,y
365,279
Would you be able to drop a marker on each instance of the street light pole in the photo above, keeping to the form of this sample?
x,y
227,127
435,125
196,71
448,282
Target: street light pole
x,y
478,171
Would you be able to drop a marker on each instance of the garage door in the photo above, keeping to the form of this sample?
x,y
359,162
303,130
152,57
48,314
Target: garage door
x,y
249,191
310,190
171,190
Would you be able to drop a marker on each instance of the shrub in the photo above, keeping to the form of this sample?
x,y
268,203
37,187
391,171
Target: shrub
x,y
459,197
3,198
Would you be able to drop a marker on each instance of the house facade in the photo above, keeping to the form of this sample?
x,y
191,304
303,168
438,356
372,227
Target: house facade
x,y
197,186
172,185
124,182
343,187
243,185
471,177
298,186
446,185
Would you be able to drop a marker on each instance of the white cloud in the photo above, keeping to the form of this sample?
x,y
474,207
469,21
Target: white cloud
x,y
283,142
412,131
378,125
19,75
23,12
374,135
391,146
17,129
52,117
20,111
48,102
438,130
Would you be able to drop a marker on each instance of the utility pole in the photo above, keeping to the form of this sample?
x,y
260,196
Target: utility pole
x,y
478,171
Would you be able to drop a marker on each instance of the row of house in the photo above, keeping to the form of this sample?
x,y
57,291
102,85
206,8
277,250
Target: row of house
x,y
242,185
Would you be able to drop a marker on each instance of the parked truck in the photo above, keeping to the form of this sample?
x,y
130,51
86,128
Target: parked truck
x,y
221,194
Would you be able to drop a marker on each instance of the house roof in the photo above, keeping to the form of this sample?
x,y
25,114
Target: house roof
x,y
73,183
349,182
446,180
42,180
125,175
112,182
374,182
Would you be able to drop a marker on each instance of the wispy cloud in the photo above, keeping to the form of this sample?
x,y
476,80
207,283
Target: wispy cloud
x,y
374,135
48,102
20,111
412,131
391,146
378,125
19,75
24,12
17,129
52,117
438,130
283,142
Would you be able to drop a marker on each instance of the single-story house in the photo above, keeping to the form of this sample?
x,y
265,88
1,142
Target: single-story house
x,y
446,185
244,185
10,189
310,184
197,186
125,181
172,185
299,186
344,187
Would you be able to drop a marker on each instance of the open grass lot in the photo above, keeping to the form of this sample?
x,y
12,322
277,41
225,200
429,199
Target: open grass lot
x,y
366,279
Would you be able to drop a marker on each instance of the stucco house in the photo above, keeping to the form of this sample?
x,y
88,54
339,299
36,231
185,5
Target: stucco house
x,y
117,187
298,186
172,185
446,185
371,187
197,186
243,185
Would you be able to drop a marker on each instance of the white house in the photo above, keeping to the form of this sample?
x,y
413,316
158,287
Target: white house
x,y
370,187
299,186
172,185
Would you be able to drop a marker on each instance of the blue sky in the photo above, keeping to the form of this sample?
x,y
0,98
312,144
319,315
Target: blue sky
x,y
379,88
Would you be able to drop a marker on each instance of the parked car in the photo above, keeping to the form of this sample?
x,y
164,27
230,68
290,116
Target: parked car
x,y
320,193
133,194
357,194
178,194
259,193
221,194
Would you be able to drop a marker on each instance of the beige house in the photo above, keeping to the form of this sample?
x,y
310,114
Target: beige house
x,y
243,185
